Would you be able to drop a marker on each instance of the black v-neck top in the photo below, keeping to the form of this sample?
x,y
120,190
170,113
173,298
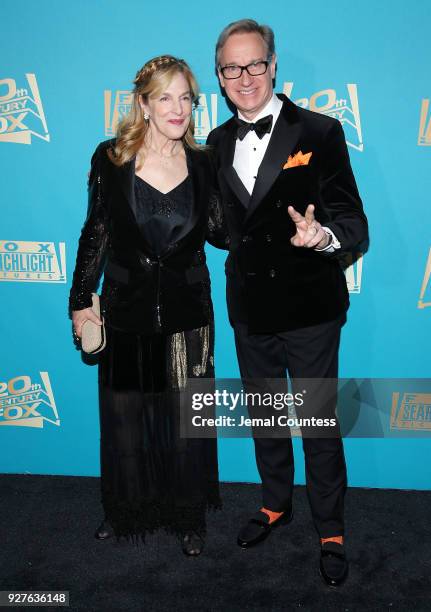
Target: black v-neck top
x,y
162,216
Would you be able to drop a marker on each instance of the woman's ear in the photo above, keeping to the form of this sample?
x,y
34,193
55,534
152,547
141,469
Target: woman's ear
x,y
142,104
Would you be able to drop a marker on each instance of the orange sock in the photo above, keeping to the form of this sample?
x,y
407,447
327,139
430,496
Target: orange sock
x,y
273,516
337,539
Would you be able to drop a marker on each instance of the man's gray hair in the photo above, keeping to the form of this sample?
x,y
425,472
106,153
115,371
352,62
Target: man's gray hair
x,y
245,26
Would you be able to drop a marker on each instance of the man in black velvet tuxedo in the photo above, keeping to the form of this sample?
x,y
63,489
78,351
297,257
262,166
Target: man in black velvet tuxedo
x,y
292,206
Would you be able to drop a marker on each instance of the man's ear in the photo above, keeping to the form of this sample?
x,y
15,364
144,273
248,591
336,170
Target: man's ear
x,y
220,77
273,65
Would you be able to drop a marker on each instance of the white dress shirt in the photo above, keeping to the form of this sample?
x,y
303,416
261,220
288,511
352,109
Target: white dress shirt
x,y
250,151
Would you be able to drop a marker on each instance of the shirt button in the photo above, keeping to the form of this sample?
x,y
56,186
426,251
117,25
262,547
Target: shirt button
x,y
230,204
268,237
272,273
278,203
246,238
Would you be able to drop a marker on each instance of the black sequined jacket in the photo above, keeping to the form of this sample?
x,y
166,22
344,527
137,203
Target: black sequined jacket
x,y
144,292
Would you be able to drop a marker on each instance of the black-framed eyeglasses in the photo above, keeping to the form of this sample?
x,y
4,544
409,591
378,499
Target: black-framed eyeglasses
x,y
254,69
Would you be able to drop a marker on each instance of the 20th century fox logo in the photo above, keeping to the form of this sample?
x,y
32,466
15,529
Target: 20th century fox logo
x,y
24,261
21,111
118,103
345,109
24,403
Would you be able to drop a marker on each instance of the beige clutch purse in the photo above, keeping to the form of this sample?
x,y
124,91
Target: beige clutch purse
x,y
93,337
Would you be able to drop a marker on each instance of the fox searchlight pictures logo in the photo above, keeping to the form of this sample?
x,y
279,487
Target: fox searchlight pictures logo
x,y
32,262
346,110
118,104
21,111
27,404
412,411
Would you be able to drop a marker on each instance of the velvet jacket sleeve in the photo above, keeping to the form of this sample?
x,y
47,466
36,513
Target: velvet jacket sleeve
x,y
339,194
92,242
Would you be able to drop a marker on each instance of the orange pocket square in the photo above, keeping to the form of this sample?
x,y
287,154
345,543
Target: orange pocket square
x,y
300,159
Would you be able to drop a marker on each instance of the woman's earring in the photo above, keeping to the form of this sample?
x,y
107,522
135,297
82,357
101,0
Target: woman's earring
x,y
146,117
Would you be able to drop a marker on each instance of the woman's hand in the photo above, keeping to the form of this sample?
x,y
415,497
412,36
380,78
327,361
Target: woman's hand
x,y
80,316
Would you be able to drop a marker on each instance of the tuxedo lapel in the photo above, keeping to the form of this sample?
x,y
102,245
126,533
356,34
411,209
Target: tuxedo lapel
x,y
227,171
283,139
237,186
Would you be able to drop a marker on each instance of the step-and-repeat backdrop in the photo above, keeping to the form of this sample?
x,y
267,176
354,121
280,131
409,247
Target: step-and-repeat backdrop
x,y
65,78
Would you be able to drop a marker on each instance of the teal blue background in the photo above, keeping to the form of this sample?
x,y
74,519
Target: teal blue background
x,y
77,50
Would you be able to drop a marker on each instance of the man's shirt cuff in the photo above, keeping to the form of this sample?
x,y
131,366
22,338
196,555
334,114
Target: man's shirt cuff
x,y
334,243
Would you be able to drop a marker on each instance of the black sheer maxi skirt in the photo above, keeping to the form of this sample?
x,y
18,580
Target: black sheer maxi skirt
x,y
151,478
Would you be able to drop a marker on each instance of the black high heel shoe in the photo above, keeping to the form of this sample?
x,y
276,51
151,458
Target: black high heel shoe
x,y
192,544
104,531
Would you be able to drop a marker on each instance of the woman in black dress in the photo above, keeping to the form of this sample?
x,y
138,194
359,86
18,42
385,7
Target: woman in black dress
x,y
152,205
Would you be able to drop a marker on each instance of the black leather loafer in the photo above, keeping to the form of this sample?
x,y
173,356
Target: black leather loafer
x,y
192,544
104,531
258,528
334,566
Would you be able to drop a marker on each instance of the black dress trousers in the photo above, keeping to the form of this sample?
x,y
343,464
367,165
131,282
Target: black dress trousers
x,y
307,353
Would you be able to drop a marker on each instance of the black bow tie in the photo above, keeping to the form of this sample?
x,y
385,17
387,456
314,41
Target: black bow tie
x,y
261,127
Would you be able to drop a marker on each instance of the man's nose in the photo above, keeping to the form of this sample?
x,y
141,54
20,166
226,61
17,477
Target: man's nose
x,y
245,78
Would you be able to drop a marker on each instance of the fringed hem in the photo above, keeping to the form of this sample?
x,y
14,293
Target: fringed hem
x,y
133,524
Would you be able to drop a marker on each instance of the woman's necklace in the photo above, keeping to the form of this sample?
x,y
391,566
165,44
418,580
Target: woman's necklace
x,y
164,159
163,156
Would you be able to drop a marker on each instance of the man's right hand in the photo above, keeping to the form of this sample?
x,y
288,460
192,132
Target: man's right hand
x,y
309,232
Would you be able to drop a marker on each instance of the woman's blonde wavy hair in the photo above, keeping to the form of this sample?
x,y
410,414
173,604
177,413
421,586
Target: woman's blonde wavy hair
x,y
151,80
